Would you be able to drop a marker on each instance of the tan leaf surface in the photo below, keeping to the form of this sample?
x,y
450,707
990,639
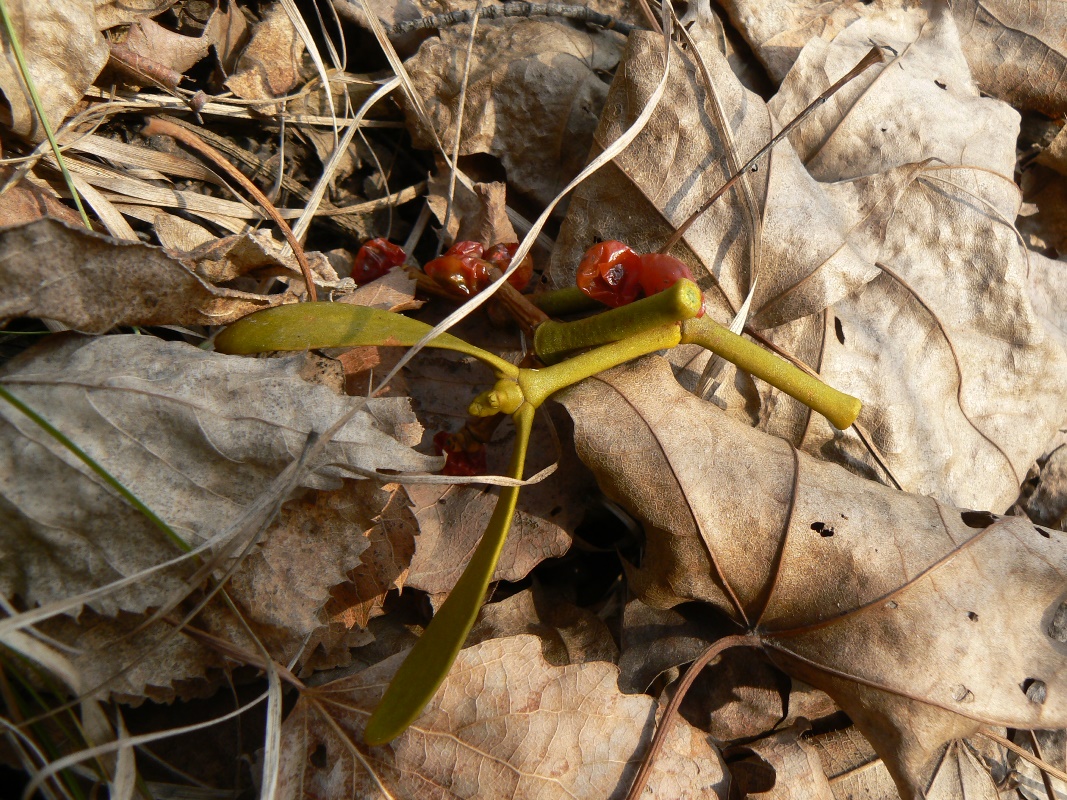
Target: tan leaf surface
x,y
270,65
505,724
798,772
225,31
533,96
110,13
838,576
852,767
914,281
195,435
93,283
1017,51
26,201
65,53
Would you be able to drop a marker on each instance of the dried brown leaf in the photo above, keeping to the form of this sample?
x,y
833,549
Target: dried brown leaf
x,y
27,201
505,724
270,65
225,32
839,577
110,13
533,96
64,52
796,768
195,435
93,283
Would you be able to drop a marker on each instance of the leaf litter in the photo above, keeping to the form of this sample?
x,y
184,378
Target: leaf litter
x,y
877,247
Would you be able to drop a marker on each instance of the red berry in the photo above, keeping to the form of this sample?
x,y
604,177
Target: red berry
x,y
660,271
374,259
500,255
462,456
610,272
463,276
465,248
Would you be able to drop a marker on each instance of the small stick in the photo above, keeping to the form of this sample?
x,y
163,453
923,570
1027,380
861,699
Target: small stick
x,y
157,126
571,12
873,57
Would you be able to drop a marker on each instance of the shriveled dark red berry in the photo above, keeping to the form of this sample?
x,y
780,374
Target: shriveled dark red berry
x,y
500,255
610,272
375,258
463,456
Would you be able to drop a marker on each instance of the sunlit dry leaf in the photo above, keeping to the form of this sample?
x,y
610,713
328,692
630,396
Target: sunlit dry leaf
x,y
838,576
505,724
195,435
394,291
93,283
65,53
225,31
270,65
852,766
794,766
27,201
532,98
1017,51
257,252
110,13
1051,746
478,216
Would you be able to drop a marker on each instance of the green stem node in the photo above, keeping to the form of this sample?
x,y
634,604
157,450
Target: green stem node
x,y
839,408
554,340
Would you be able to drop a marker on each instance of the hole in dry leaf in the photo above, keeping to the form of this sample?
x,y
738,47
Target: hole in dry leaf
x,y
1036,691
891,604
961,694
972,616
978,519
822,528
318,757
839,329
940,85
1057,629
1043,532
884,130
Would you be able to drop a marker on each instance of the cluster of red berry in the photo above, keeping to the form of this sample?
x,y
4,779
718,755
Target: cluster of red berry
x,y
463,270
614,274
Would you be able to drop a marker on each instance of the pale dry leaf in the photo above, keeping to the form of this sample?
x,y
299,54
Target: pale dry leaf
x,y
505,724
1017,51
260,254
852,767
533,96
270,66
836,575
1051,745
964,774
110,13
64,52
394,291
94,283
195,435
797,771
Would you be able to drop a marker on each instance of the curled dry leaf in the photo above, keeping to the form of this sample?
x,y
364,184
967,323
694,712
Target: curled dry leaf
x,y
901,283
196,436
533,96
1017,51
64,52
225,31
94,283
505,724
839,578
110,13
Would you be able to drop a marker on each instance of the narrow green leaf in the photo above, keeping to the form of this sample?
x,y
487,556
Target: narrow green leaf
x,y
428,663
304,326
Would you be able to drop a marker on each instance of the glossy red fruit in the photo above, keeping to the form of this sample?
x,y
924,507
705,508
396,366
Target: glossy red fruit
x,y
374,259
462,276
660,271
462,456
610,272
465,248
500,255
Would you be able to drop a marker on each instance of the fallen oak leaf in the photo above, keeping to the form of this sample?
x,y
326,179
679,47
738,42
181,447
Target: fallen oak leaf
x,y
839,579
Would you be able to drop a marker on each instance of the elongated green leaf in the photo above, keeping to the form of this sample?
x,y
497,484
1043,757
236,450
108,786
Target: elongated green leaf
x,y
312,325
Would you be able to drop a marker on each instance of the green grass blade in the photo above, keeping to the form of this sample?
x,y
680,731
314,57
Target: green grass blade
x,y
428,663
303,326
88,460
38,106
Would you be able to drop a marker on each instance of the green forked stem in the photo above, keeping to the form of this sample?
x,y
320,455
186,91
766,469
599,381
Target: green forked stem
x,y
839,408
554,340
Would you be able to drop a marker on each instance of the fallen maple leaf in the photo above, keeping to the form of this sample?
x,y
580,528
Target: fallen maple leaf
x,y
923,622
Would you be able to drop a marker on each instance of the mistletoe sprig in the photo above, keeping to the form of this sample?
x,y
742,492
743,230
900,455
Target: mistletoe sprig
x,y
573,351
